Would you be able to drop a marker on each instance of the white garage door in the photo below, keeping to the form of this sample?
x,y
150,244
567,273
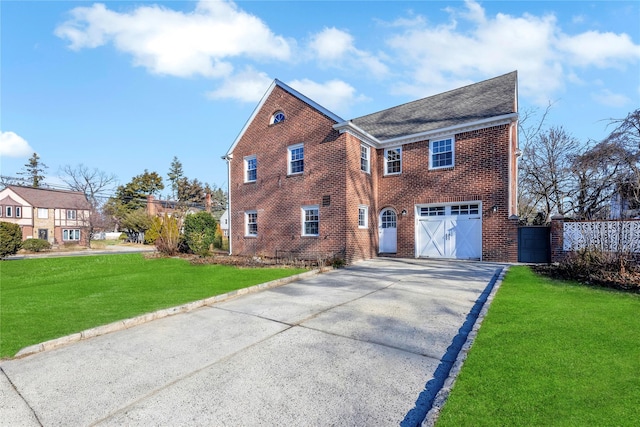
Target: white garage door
x,y
449,231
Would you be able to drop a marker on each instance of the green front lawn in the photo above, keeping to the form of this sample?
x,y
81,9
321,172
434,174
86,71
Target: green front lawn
x,y
551,353
42,299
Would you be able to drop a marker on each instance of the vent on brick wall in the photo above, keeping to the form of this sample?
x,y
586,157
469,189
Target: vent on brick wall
x,y
326,200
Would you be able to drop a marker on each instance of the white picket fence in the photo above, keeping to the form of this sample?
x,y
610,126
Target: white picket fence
x,y
607,236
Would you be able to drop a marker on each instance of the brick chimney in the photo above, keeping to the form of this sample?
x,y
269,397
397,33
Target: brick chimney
x,y
151,206
207,202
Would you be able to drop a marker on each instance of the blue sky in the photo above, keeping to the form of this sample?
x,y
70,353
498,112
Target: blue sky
x,y
126,86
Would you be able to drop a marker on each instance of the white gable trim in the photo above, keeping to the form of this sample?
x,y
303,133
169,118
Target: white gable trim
x,y
293,92
354,130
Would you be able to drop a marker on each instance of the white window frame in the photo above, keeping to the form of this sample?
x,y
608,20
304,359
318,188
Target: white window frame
x,y
247,161
363,213
306,209
72,214
453,152
18,211
248,229
387,163
8,211
290,159
43,213
71,235
275,115
365,157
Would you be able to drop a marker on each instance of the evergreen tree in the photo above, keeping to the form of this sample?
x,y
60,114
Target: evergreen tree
x,y
34,170
175,175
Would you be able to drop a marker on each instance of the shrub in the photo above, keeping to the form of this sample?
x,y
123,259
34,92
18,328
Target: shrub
x,y
152,234
35,245
10,239
199,232
169,236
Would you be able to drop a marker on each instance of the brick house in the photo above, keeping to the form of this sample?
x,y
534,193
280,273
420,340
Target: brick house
x,y
57,216
431,178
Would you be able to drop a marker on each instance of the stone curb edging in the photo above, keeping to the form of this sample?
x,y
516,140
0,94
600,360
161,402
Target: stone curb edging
x,y
442,395
148,317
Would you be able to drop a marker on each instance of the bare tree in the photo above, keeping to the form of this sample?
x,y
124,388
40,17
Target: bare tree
x,y
546,170
95,184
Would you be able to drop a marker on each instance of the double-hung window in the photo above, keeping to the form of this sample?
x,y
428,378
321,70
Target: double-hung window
x,y
250,169
392,161
71,214
71,235
441,153
363,217
364,158
251,218
295,159
310,221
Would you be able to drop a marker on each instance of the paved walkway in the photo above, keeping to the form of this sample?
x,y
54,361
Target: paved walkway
x,y
367,345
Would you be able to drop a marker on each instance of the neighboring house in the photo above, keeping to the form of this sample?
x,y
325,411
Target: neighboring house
x,y
431,178
57,216
224,223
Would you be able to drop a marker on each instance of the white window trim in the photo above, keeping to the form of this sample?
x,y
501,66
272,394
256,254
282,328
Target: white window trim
x,y
18,211
368,150
72,214
453,153
289,160
246,224
8,211
386,150
304,210
246,168
366,217
43,213
68,231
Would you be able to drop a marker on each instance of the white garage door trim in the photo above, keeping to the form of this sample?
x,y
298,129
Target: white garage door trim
x,y
451,230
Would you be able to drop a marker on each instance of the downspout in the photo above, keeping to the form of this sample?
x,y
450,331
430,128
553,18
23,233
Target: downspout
x,y
228,158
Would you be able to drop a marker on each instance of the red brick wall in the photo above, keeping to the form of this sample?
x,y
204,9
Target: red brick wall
x,y
277,197
332,168
480,173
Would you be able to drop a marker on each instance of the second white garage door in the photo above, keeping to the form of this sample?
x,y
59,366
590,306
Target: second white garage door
x,y
449,231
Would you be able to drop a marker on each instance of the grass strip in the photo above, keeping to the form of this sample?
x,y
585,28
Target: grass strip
x,y
551,353
42,299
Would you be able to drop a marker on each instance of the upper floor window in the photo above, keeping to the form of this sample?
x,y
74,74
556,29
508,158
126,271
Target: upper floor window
x,y
296,159
8,211
251,218
71,214
441,153
392,161
364,158
277,117
250,169
18,211
310,220
43,213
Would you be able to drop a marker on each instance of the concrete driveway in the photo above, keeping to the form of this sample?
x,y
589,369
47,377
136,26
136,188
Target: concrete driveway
x,y
364,346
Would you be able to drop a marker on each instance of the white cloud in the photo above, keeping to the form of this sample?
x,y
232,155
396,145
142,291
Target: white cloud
x,y
335,48
335,95
247,86
610,99
602,50
472,46
175,43
13,145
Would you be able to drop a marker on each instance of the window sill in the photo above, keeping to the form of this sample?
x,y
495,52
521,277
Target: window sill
x,y
391,175
312,236
251,236
292,175
250,182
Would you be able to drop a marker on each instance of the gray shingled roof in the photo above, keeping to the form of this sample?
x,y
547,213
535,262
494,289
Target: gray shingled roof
x,y
47,198
489,98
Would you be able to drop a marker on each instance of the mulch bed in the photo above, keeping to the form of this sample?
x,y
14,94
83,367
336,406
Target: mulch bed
x,y
627,280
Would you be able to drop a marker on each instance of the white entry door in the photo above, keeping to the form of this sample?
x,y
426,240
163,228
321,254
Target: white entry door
x,y
453,231
387,231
